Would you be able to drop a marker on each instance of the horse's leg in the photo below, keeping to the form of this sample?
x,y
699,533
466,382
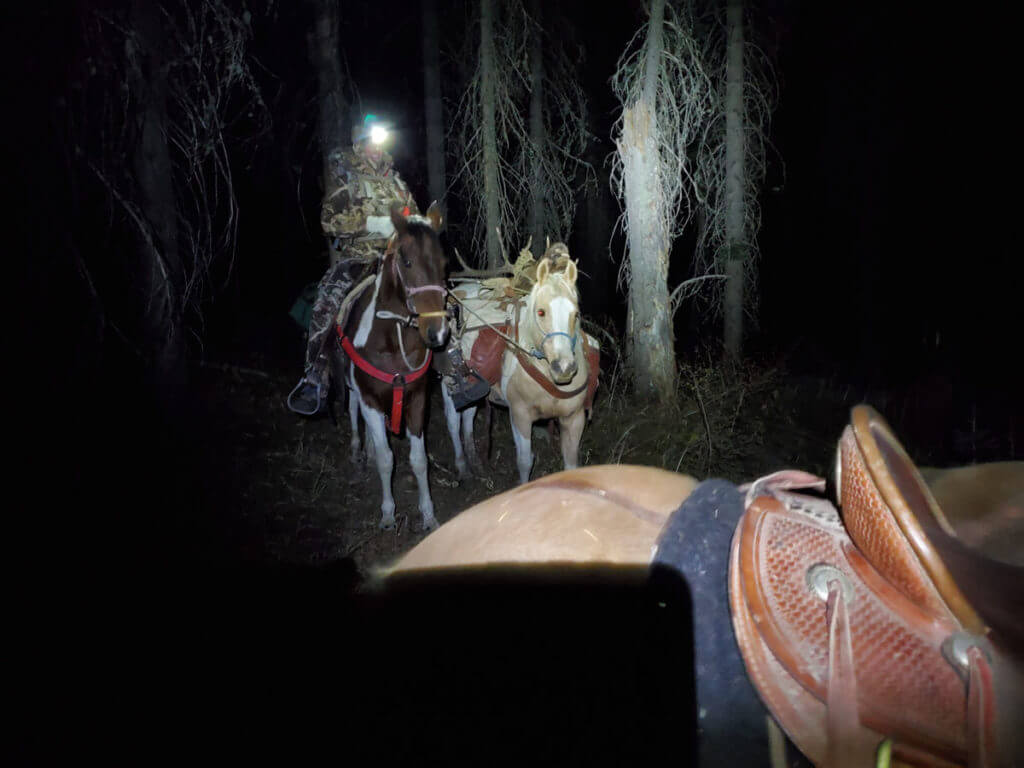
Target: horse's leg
x,y
418,459
469,439
571,428
522,425
451,417
354,443
377,432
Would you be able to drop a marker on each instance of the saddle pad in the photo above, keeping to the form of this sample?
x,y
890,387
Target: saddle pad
x,y
487,353
350,299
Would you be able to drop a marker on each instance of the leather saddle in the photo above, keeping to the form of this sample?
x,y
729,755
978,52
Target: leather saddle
x,y
879,635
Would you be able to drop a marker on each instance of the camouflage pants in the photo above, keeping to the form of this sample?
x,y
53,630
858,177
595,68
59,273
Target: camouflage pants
x,y
331,292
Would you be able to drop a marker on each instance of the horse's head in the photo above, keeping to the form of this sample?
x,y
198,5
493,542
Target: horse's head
x,y
553,317
419,266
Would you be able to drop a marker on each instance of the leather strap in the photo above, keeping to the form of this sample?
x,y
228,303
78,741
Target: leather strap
x,y
546,384
396,380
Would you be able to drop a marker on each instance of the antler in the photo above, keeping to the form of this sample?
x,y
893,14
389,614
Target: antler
x,y
467,271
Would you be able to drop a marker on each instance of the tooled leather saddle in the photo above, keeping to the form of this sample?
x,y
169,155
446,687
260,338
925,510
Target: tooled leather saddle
x,y
874,634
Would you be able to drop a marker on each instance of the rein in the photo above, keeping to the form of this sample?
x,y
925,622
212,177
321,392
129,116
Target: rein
x,y
508,339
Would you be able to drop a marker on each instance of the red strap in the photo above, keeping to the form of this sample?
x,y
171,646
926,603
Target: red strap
x,y
396,380
397,395
405,211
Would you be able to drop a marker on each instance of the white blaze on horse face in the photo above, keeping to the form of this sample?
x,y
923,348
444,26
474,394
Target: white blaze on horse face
x,y
559,349
366,321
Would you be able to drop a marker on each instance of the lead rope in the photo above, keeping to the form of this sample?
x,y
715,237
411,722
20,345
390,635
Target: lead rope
x,y
401,346
506,337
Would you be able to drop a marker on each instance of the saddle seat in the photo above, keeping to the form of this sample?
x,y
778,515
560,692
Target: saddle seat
x,y
880,635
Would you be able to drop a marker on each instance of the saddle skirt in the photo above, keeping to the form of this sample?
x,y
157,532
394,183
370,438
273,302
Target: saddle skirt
x,y
877,629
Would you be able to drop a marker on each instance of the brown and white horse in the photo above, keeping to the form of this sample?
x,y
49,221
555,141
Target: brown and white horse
x,y
384,351
544,375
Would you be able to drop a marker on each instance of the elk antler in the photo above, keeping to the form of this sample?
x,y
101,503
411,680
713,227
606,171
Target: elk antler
x,y
468,271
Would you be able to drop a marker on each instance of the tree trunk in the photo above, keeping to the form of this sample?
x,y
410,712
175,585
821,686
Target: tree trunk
x,y
333,122
735,181
160,266
432,103
538,139
490,138
650,338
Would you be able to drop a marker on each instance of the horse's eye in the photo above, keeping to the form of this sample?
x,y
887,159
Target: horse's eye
x,y
405,262
540,313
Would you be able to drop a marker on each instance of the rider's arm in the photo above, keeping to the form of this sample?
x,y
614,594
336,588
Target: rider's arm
x,y
342,214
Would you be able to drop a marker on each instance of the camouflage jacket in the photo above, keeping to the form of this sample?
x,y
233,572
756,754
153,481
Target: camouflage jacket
x,y
360,199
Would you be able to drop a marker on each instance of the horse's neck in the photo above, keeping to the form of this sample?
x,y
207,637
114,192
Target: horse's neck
x,y
364,322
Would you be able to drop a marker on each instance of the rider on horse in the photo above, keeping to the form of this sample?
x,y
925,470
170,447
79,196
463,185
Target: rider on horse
x,y
356,214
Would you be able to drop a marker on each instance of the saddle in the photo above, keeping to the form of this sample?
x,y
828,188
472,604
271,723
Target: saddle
x,y
878,636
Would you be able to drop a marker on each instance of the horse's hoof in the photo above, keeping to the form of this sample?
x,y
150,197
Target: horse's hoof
x,y
387,524
430,524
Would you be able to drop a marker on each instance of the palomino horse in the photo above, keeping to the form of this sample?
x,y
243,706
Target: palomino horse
x,y
546,371
874,634
384,351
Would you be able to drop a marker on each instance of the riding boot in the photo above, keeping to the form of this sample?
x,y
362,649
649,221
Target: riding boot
x,y
465,385
309,397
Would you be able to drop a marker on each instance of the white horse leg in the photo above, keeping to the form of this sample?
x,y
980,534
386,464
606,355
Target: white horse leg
x,y
418,459
377,432
354,443
451,417
469,438
572,430
524,453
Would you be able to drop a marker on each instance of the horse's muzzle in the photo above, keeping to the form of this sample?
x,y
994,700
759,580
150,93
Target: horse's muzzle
x,y
435,334
562,371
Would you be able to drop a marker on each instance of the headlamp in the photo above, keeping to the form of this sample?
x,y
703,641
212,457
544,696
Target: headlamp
x,y
378,134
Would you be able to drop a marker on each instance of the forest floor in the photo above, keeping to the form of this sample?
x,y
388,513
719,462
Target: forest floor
x,y
289,493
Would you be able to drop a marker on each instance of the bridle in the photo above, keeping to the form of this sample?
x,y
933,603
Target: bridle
x,y
538,351
411,291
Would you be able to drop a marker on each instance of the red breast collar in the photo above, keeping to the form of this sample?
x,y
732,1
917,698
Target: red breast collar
x,y
396,380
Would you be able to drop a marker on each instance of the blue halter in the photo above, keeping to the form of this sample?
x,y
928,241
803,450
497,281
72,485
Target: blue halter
x,y
538,351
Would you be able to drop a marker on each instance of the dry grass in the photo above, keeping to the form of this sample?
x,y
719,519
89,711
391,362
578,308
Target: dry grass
x,y
288,491
714,427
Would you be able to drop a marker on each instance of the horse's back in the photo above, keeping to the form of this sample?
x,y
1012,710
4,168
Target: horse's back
x,y
592,515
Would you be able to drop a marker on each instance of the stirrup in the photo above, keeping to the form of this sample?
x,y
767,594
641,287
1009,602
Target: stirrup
x,y
466,390
298,408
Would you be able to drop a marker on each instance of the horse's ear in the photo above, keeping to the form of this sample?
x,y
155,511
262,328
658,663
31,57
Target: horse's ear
x,y
398,219
434,214
542,270
571,273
